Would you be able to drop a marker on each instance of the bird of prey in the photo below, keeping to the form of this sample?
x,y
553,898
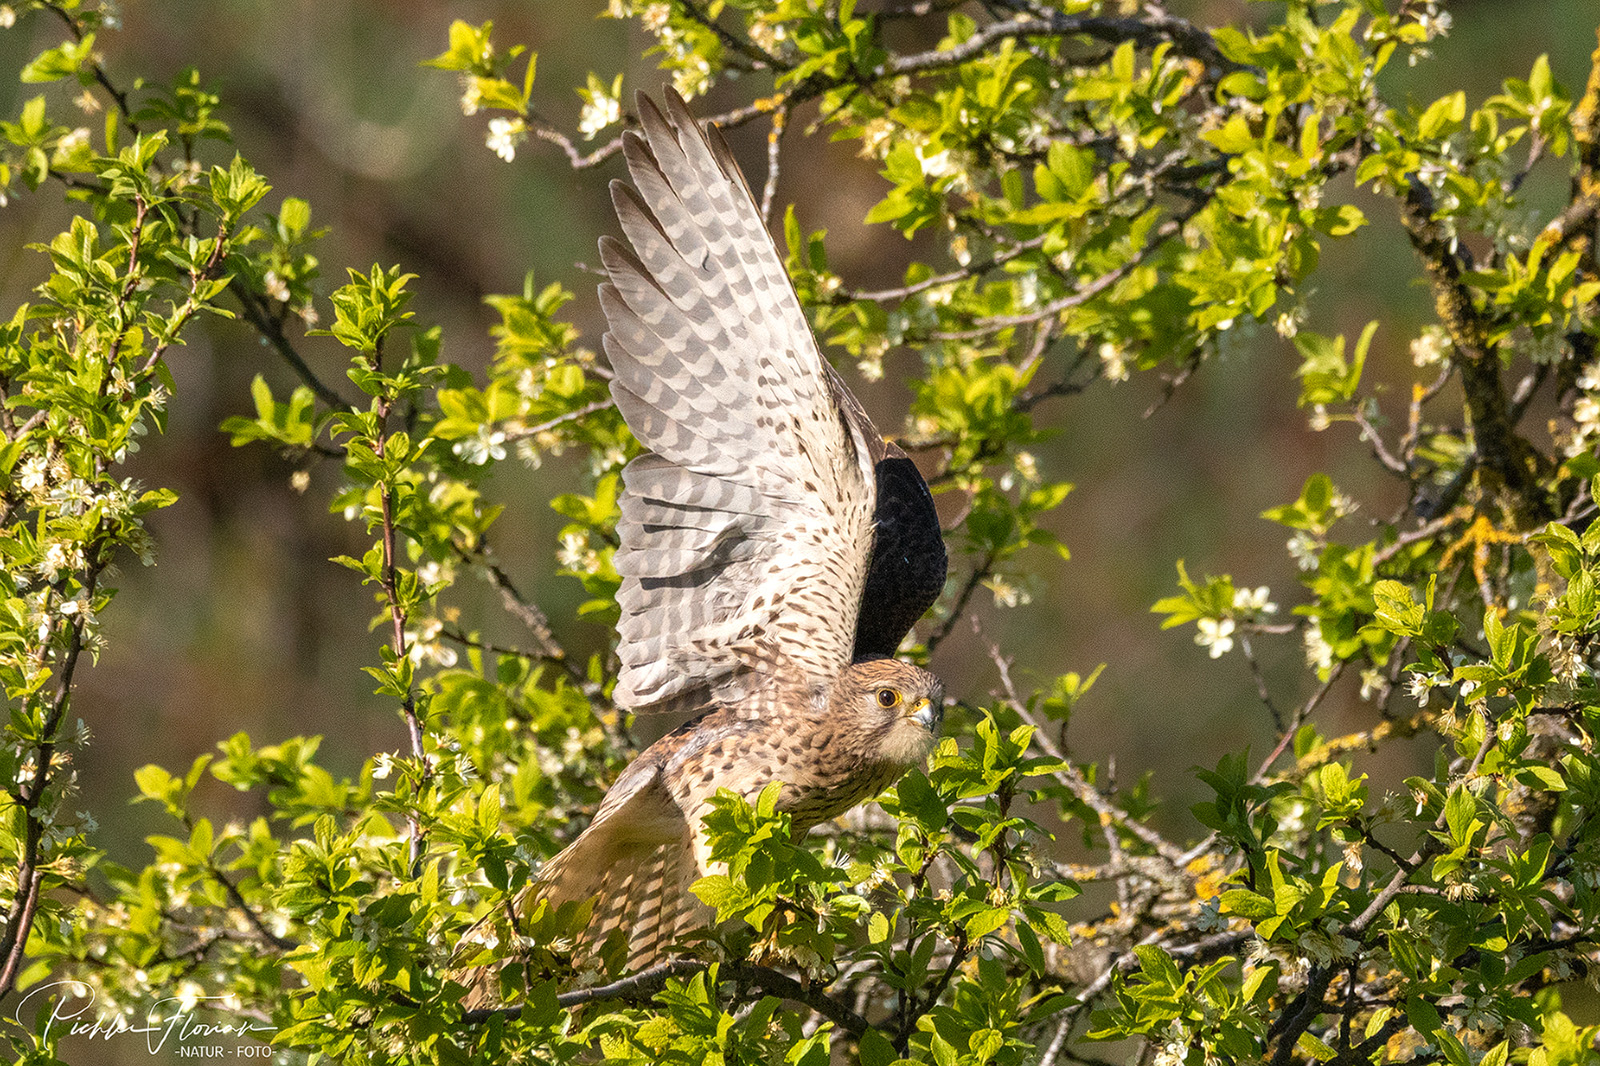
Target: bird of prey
x,y
774,549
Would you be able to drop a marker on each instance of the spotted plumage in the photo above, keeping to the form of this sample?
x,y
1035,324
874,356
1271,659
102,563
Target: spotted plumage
x,y
774,549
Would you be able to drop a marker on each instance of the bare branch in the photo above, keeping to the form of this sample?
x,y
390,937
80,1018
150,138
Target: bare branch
x,y
255,312
1085,292
560,420
959,608
755,57
1370,434
1147,32
769,190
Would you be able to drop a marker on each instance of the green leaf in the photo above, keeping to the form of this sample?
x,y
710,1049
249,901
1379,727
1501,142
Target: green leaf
x,y
1247,904
1546,778
1443,116
62,61
1422,1015
875,1049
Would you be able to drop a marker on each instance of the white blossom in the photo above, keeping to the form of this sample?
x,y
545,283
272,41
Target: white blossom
x,y
600,110
189,995
1589,380
1113,362
489,443
574,551
1006,594
425,646
655,17
1215,634
1430,347
1292,819
875,137
471,95
1586,412
937,165
767,36
504,136
1174,1049
1319,653
35,471
1303,550
1434,22
277,288
72,142
61,556
1254,601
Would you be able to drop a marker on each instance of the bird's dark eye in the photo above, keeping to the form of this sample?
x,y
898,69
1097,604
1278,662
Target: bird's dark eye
x,y
888,697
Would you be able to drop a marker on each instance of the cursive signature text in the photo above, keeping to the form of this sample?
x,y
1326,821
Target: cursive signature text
x,y
71,1007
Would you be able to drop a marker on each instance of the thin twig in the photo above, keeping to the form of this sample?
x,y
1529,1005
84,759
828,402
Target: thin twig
x,y
1263,692
270,327
756,58
982,327
1380,451
576,415
1149,31
957,609
769,190
972,270
1073,778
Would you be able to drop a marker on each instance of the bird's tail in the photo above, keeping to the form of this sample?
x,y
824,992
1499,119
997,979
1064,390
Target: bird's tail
x,y
642,904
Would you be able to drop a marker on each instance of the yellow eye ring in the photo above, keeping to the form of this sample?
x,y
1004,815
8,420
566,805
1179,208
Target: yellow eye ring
x,y
888,697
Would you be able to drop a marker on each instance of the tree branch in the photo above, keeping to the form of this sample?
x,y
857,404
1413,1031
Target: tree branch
x,y
756,57
29,876
957,609
1496,444
643,985
271,329
1146,32
560,420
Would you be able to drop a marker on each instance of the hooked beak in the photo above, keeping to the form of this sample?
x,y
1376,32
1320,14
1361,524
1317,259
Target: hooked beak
x,y
928,714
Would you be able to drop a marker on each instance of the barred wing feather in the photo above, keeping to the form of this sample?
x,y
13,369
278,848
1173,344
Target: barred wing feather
x,y
746,531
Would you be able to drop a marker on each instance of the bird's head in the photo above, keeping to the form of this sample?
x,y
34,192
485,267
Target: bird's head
x,y
901,706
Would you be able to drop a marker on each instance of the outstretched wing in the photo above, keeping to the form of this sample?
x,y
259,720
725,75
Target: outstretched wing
x,y
746,531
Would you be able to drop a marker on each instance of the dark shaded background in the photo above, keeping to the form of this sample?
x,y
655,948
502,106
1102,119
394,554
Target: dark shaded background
x,y
244,625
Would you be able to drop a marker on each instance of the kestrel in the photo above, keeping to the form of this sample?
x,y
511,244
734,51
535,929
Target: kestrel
x,y
774,549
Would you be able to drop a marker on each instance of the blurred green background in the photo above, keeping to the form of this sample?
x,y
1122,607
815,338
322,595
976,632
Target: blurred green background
x,y
244,625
